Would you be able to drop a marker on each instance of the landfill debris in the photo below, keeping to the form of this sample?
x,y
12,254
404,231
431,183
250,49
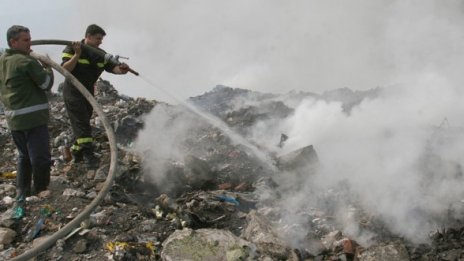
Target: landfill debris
x,y
260,232
8,253
80,246
130,250
8,200
8,175
393,251
283,139
34,232
224,198
18,208
220,201
303,158
6,235
205,244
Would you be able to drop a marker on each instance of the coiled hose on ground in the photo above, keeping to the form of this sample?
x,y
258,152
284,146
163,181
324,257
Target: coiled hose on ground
x,y
68,228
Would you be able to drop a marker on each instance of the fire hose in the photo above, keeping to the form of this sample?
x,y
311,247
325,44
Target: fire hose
x,y
68,228
108,57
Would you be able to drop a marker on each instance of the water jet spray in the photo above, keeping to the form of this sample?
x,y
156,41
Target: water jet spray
x,y
210,118
218,123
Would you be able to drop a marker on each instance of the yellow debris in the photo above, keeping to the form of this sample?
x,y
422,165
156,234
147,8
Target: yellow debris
x,y
8,175
115,246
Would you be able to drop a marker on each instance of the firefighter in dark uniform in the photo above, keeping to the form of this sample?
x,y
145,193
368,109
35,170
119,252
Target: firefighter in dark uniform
x,y
87,67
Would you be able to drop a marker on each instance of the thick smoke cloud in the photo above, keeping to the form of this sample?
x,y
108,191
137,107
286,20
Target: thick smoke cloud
x,y
385,151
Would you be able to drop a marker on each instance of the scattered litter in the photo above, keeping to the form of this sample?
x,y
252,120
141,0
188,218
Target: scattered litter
x,y
224,198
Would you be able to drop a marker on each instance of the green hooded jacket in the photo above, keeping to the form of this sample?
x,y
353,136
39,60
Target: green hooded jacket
x,y
23,82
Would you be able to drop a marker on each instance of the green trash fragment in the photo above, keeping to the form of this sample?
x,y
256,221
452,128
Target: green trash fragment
x,y
18,212
46,211
19,207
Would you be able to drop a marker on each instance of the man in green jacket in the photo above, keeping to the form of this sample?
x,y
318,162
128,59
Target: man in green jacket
x,y
23,85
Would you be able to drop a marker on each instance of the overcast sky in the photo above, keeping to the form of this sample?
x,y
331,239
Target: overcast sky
x,y
187,47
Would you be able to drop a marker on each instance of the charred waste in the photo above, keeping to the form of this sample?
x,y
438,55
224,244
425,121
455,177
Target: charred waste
x,y
186,190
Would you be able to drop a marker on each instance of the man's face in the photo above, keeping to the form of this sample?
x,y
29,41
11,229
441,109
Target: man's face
x,y
23,43
94,40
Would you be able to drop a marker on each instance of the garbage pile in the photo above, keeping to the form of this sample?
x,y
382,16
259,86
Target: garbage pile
x,y
220,201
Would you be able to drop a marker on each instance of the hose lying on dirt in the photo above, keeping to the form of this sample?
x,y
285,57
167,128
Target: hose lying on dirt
x,y
50,241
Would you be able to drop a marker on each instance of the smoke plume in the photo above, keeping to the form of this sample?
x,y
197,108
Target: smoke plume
x,y
384,151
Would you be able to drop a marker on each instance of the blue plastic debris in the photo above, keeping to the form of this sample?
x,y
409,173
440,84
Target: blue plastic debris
x,y
35,232
224,198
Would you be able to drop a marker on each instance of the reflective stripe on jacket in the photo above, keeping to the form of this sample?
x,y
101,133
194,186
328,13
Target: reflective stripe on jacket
x,y
33,108
88,69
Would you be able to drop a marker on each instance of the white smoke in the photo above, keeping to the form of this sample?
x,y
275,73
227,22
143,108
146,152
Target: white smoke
x,y
377,152
162,141
274,46
397,155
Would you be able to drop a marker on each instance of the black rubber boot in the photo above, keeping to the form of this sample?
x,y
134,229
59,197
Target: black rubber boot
x,y
77,155
41,179
23,182
90,160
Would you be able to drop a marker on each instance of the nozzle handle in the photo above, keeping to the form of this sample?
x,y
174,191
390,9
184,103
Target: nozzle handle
x,y
134,72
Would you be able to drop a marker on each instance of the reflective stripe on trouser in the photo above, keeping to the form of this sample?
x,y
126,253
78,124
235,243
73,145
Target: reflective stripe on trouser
x,y
75,148
82,143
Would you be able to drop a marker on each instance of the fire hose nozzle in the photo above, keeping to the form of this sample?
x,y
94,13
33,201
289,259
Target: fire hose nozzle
x,y
115,60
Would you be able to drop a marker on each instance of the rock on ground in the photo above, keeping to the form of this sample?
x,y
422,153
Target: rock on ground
x,y
205,245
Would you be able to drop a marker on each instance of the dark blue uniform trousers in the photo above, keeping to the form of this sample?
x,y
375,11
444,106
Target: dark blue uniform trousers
x,y
34,159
